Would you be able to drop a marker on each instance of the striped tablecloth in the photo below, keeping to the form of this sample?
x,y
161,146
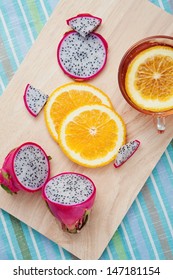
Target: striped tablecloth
x,y
147,230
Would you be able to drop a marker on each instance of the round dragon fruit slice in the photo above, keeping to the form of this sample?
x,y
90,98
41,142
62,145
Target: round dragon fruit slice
x,y
34,100
82,58
125,152
84,23
70,197
25,168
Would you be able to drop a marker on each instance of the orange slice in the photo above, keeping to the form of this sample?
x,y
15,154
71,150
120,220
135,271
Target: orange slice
x,y
67,98
149,79
92,135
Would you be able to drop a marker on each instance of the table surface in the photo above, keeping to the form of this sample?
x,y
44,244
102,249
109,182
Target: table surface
x,y
146,232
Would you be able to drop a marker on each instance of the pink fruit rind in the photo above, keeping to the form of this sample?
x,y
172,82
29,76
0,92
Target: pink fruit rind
x,y
76,77
137,141
83,15
7,182
24,98
8,166
70,216
7,170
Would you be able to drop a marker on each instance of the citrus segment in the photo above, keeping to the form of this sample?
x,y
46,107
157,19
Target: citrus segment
x,y
92,135
149,79
67,98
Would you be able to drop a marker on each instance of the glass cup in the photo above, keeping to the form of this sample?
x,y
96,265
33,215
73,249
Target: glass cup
x,y
159,117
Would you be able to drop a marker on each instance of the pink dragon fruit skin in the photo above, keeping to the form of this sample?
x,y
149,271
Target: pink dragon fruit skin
x,y
6,182
9,180
72,217
77,57
6,174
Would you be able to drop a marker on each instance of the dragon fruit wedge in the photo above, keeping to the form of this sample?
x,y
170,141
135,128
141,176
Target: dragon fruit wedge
x,y
84,23
25,168
70,197
125,152
82,58
34,100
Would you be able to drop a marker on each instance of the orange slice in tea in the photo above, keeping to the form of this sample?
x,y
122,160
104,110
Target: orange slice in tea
x,y
92,135
67,98
149,79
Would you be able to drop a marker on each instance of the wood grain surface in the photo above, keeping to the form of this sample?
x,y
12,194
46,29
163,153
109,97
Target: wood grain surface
x,y
124,23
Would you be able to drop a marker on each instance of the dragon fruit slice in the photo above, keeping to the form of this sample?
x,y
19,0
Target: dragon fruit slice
x,y
82,58
125,152
84,23
34,100
25,168
70,197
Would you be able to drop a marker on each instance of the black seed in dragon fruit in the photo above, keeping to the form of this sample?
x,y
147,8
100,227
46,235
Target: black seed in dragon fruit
x,y
84,23
82,58
70,197
34,100
125,152
25,168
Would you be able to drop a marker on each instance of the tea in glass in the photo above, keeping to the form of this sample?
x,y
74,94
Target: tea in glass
x,y
146,77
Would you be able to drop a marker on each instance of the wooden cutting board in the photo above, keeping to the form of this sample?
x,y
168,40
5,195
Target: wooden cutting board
x,y
124,23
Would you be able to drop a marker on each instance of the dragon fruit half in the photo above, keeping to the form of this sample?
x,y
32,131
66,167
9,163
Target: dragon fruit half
x,y
70,197
34,100
84,23
82,58
25,168
125,152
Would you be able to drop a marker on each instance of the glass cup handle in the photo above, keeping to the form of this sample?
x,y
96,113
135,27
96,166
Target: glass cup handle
x,y
160,123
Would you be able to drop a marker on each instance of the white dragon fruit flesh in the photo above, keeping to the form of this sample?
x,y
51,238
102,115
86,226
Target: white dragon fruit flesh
x,y
84,23
82,58
25,168
70,197
34,100
125,152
